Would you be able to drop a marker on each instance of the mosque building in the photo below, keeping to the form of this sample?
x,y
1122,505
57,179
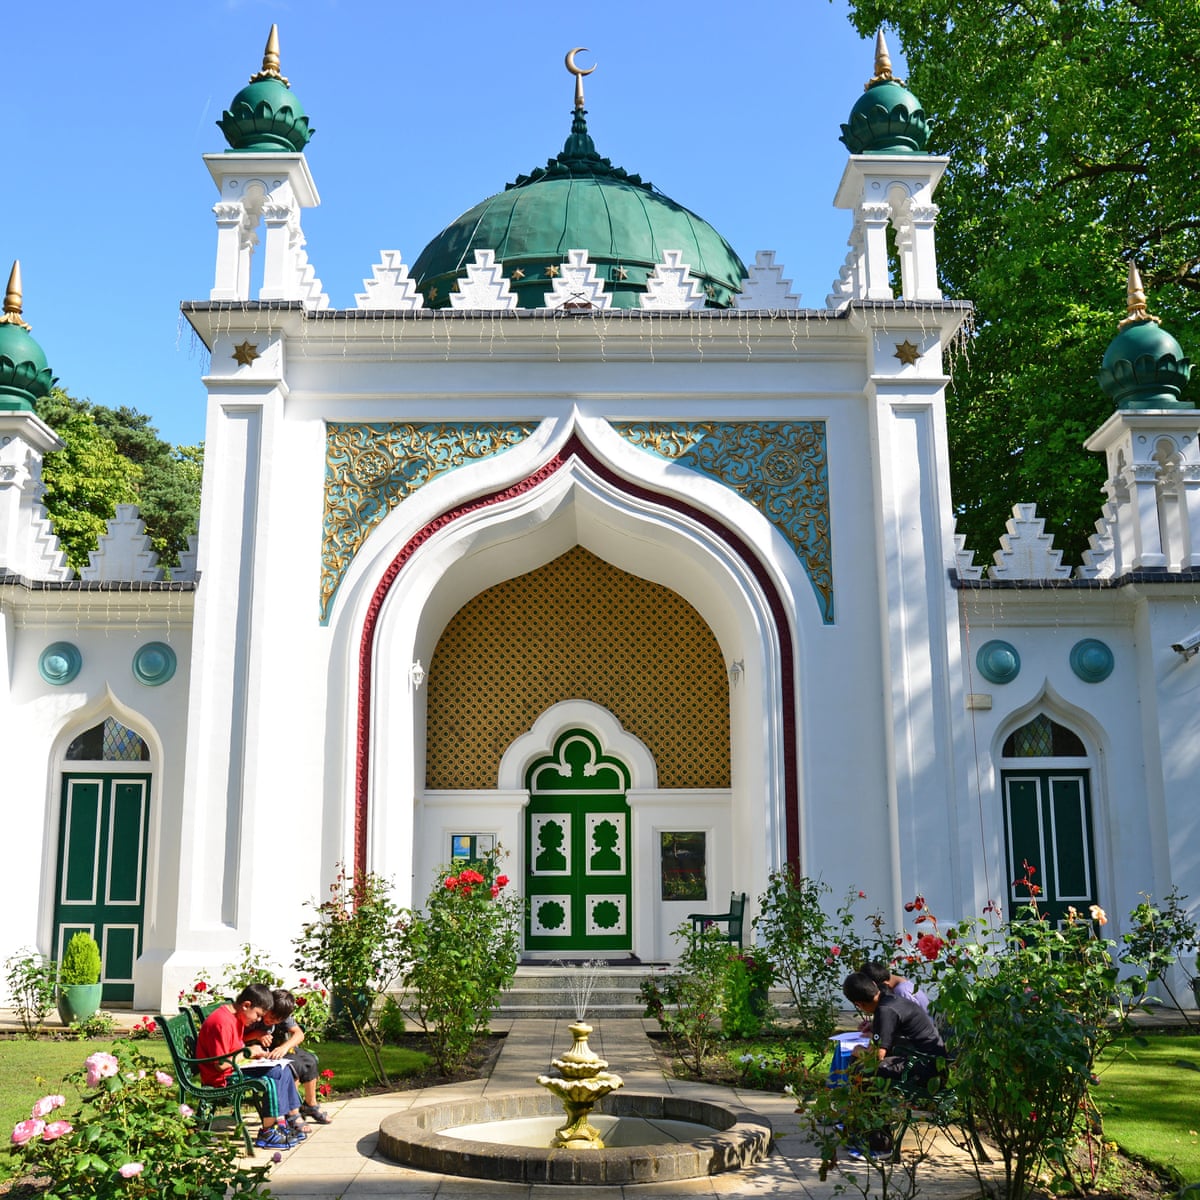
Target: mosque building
x,y
579,536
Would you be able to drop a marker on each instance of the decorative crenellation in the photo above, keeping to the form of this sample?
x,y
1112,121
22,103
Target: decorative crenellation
x,y
187,571
123,552
671,285
390,289
370,469
1026,551
779,467
28,544
575,286
484,287
964,559
1100,559
765,287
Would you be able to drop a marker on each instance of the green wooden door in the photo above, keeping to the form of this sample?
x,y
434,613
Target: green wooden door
x,y
102,870
577,878
1048,824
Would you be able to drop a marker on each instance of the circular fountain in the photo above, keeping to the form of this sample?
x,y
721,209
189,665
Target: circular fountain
x,y
519,1138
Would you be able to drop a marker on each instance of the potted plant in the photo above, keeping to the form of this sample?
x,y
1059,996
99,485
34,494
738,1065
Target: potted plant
x,y
79,985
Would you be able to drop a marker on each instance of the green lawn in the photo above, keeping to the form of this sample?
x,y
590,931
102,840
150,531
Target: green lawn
x,y
1150,1098
31,1069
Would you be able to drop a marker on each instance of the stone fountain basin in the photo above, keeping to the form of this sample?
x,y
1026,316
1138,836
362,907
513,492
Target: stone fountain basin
x,y
728,1138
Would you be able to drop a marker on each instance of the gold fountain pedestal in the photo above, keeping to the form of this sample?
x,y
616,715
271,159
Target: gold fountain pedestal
x,y
585,1080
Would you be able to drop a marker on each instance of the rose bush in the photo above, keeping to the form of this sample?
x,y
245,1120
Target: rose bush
x,y
129,1137
458,955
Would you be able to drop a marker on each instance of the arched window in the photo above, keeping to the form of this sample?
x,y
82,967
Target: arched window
x,y
110,741
1048,817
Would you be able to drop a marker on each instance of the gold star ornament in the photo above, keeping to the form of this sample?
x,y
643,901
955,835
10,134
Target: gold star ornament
x,y
907,353
518,274
246,353
551,271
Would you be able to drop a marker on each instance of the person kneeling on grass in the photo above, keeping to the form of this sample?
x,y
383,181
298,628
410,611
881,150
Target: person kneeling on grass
x,y
221,1037
280,1036
905,1043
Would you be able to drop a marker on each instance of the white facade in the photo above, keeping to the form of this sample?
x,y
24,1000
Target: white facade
x,y
865,746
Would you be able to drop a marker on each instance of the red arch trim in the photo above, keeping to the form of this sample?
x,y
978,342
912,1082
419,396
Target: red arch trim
x,y
574,448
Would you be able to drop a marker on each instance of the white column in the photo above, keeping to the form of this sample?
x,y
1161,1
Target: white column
x,y
232,281
921,282
1147,533
875,218
280,272
1189,508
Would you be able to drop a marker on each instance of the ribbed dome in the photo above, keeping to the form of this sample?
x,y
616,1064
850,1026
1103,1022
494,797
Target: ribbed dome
x,y
24,373
265,115
579,201
887,118
1144,366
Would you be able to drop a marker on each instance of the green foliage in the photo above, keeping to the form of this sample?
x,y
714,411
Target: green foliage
x,y
1058,175
1156,937
98,1025
80,961
746,1003
459,955
392,1025
353,947
687,1000
128,1136
253,967
30,979
115,456
1029,1006
811,951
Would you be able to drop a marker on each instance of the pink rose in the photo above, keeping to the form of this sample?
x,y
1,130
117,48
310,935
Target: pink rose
x,y
24,1130
47,1104
129,1170
55,1130
100,1066
835,950
164,1078
186,1111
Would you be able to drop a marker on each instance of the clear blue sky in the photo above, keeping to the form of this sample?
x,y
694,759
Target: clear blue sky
x,y
420,110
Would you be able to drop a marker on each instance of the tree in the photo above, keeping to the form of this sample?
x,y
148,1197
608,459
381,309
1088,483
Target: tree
x,y
115,456
1073,131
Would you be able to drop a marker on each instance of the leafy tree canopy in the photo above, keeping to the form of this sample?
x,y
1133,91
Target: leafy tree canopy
x,y
1073,130
115,456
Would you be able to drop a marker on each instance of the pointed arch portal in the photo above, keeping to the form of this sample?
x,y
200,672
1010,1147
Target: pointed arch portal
x,y
574,449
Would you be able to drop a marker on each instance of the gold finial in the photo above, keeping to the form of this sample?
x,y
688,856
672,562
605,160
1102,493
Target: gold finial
x,y
270,67
12,299
1135,300
578,72
883,64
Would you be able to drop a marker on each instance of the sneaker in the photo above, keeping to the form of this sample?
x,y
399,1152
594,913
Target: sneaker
x,y
274,1138
317,1115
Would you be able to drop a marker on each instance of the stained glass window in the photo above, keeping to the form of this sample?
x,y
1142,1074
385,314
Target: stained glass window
x,y
110,741
1043,738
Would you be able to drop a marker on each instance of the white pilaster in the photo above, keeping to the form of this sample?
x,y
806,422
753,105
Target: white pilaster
x,y
27,543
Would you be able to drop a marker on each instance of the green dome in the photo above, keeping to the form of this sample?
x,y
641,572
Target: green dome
x,y
24,373
887,118
265,115
1144,366
579,201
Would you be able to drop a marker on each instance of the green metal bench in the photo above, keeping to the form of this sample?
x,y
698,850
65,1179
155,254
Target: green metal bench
x,y
179,1032
932,1099
732,920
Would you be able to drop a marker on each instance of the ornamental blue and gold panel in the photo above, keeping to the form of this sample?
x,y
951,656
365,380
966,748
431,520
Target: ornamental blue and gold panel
x,y
370,469
780,467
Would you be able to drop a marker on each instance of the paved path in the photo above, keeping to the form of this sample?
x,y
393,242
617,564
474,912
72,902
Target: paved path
x,y
339,1161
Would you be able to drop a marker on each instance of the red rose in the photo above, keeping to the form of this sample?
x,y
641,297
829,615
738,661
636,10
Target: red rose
x,y
502,881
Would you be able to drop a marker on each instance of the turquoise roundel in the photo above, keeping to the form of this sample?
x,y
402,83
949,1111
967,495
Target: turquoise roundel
x,y
998,662
154,663
1091,660
59,663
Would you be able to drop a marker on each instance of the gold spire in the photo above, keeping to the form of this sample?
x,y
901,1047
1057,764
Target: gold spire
x,y
883,64
12,299
578,72
1135,300
270,67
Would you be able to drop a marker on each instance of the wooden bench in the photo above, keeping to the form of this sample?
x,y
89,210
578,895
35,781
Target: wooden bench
x,y
732,920
179,1034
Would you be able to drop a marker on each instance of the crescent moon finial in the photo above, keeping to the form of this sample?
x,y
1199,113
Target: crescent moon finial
x,y
578,72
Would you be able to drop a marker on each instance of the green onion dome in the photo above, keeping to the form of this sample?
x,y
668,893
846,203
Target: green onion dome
x,y
1144,366
265,115
887,118
24,374
579,201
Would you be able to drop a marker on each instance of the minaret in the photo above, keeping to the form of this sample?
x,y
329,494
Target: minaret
x,y
889,179
1150,444
28,546
264,178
